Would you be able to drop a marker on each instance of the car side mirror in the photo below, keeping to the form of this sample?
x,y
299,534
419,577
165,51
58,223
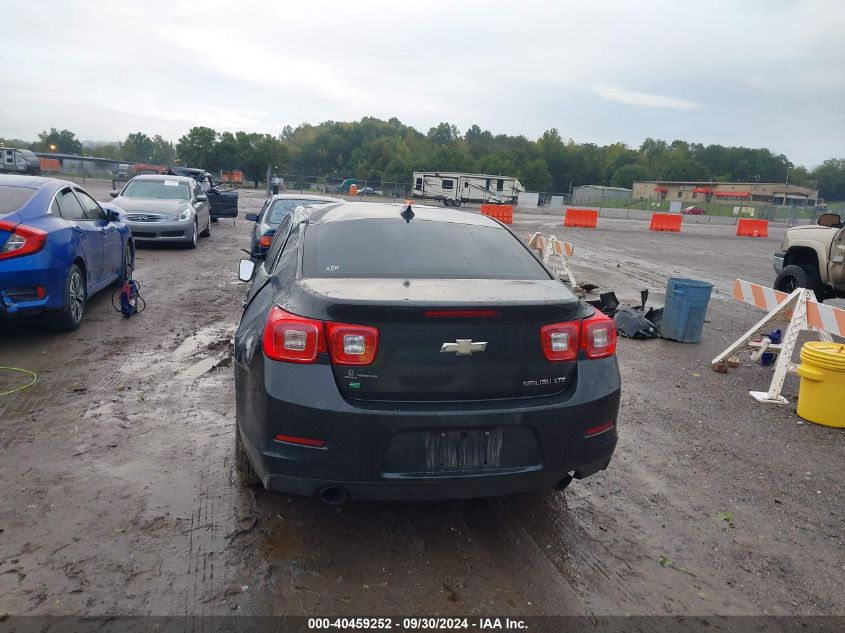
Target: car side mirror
x,y
202,198
114,193
112,215
246,268
829,220
251,217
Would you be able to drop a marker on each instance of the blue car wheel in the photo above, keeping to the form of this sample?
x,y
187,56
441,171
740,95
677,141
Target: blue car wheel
x,y
69,318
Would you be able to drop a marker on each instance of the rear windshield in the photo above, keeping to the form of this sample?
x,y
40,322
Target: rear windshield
x,y
13,198
421,250
282,208
163,189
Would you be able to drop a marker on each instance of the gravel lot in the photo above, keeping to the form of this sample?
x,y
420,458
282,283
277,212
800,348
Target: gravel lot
x,y
118,495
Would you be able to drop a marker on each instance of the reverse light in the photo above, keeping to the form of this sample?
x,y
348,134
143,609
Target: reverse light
x,y
560,341
352,344
23,240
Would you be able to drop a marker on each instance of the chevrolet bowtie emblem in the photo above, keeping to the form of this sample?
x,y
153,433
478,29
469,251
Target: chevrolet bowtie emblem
x,y
464,347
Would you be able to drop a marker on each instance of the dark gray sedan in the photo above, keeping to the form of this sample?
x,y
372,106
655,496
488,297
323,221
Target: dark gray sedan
x,y
165,209
276,209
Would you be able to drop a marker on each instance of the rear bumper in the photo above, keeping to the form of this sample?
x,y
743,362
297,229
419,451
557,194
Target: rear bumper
x,y
777,262
362,454
20,279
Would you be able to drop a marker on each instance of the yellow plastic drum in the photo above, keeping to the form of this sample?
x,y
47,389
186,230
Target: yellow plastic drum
x,y
821,398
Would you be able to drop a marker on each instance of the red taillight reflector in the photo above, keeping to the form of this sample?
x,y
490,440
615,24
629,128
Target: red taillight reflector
x,y
598,430
23,240
352,344
560,341
599,336
300,441
291,338
40,292
461,314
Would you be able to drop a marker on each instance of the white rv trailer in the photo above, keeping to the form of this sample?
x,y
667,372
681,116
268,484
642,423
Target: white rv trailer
x,y
455,188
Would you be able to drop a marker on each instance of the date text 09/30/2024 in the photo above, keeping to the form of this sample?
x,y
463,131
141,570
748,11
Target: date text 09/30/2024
x,y
421,623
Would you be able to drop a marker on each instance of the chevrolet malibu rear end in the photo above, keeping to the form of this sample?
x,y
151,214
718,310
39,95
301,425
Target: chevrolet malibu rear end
x,y
390,352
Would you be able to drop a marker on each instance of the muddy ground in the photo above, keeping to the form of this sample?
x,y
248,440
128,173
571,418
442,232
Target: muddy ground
x,y
118,495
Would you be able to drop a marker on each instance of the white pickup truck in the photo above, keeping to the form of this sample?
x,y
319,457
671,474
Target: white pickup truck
x,y
813,257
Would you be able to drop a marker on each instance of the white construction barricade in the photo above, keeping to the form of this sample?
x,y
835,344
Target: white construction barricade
x,y
554,253
800,311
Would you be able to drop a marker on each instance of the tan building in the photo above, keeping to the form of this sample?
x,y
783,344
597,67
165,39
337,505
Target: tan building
x,y
747,193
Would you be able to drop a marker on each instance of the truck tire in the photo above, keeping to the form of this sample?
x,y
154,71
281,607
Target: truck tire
x,y
795,276
457,202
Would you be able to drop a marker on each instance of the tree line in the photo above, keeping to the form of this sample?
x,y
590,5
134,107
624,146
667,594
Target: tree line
x,y
389,151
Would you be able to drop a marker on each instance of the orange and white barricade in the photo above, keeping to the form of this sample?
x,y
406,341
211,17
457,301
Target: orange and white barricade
x,y
554,253
800,310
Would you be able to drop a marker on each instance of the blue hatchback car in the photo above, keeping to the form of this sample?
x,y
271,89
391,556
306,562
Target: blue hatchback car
x,y
58,246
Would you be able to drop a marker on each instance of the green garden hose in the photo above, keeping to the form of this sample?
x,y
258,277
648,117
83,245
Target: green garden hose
x,y
16,389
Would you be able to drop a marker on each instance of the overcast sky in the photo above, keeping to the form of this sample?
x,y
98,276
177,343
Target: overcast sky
x,y
759,73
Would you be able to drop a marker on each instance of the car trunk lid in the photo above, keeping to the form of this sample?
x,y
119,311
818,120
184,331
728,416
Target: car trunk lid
x,y
484,345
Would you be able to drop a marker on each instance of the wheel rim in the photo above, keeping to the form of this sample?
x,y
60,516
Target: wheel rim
x,y
127,264
77,296
195,233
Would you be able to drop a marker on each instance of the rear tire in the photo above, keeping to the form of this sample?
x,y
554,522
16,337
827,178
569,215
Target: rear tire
x,y
207,231
457,202
69,318
243,469
804,276
215,220
447,202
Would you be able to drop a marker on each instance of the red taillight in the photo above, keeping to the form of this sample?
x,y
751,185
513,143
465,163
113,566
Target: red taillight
x,y
599,336
596,335
293,339
462,314
560,341
598,430
352,344
266,240
300,441
23,240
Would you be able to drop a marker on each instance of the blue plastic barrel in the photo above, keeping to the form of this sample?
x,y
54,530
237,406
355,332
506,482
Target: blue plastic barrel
x,y
686,307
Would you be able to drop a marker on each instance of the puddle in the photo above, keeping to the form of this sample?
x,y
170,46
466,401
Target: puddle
x,y
283,544
210,337
199,368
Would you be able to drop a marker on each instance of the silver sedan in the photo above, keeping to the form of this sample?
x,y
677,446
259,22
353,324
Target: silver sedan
x,y
165,209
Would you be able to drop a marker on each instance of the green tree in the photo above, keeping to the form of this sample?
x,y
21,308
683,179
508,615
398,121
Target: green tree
x,y
163,152
63,141
138,148
626,175
684,169
258,151
831,178
196,148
